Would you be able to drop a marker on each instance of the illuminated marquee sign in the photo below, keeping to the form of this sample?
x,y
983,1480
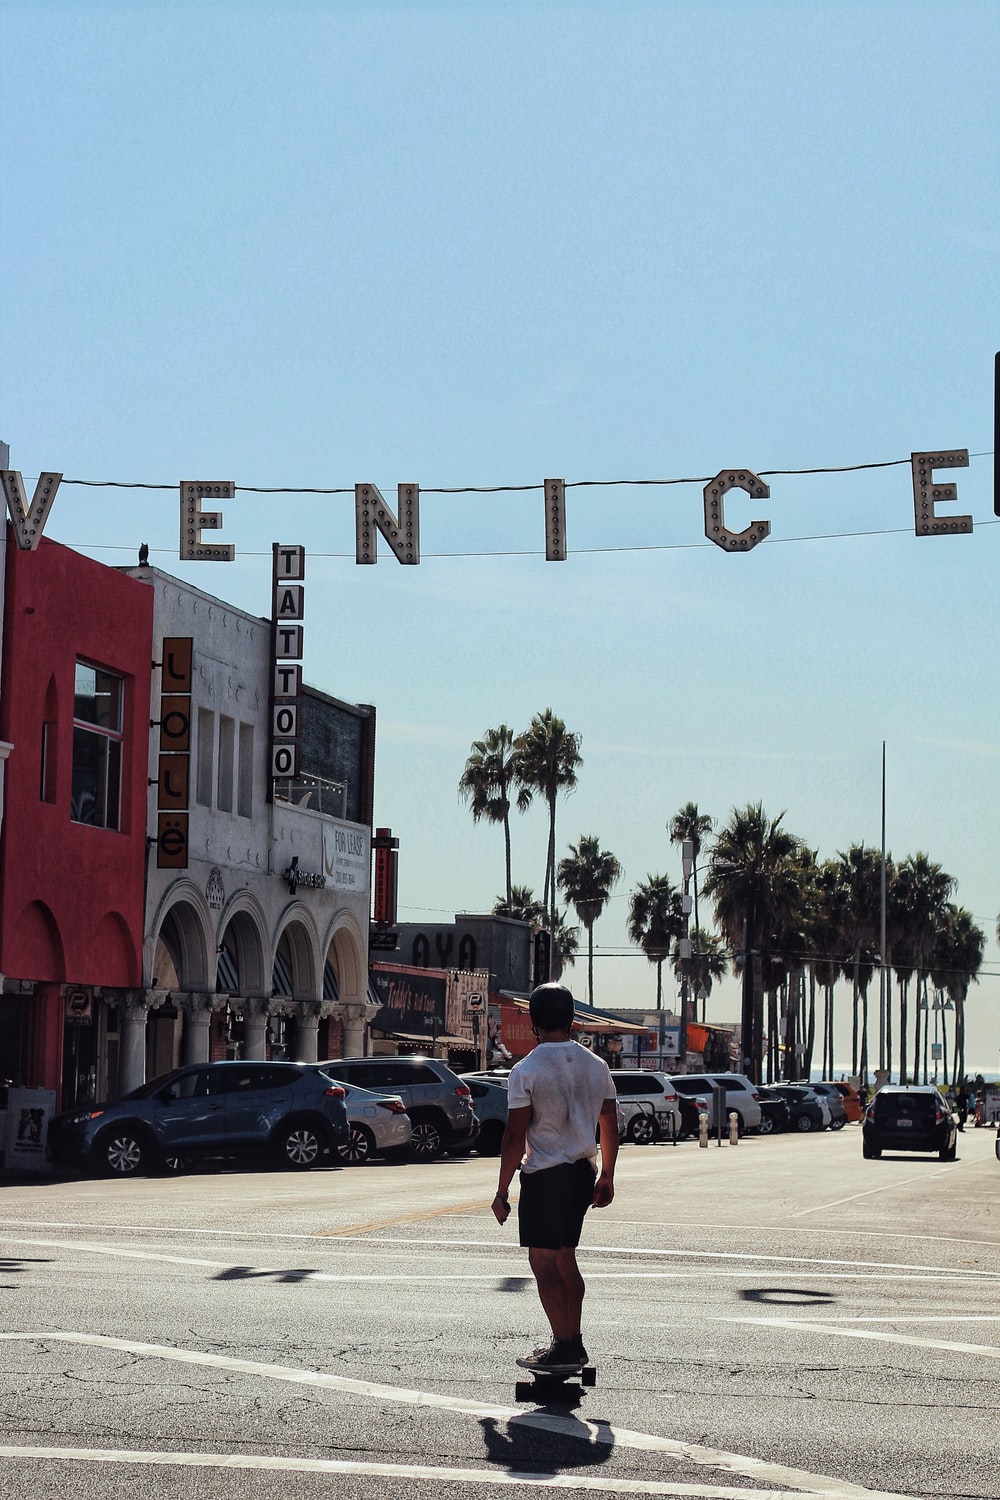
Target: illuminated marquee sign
x,y
375,517
174,763
287,611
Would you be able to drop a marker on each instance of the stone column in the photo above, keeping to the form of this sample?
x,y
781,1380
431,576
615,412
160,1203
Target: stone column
x,y
255,1012
306,1029
132,1058
353,1017
197,1026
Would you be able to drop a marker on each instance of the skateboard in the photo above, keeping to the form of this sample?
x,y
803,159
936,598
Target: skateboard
x,y
544,1386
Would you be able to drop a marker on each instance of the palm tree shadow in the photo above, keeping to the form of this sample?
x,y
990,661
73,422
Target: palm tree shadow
x,y
531,1450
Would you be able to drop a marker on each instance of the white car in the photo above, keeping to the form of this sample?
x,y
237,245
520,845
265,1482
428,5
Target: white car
x,y
378,1123
741,1095
649,1103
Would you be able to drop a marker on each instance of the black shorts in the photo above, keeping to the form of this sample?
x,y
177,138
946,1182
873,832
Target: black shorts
x,y
553,1204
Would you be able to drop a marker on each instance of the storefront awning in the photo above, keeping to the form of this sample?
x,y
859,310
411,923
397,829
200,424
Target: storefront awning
x,y
423,1036
597,1022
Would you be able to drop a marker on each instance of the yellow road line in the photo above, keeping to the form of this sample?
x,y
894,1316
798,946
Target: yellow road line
x,y
439,1213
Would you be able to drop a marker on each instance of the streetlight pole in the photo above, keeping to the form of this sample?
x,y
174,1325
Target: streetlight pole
x,y
684,945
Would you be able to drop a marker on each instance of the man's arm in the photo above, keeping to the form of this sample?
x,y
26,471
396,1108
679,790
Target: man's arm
x,y
604,1187
511,1152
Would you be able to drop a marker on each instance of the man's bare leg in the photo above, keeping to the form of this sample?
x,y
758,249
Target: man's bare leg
x,y
560,1289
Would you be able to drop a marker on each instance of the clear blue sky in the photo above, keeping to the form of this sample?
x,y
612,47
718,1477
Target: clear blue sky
x,y
487,243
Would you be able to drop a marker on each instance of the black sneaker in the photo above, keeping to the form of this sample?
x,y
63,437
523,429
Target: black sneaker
x,y
579,1351
560,1358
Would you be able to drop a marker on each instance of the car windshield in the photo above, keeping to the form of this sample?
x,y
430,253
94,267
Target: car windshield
x,y
151,1085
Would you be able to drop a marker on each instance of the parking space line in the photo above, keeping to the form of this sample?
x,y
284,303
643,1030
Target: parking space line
x,y
596,1434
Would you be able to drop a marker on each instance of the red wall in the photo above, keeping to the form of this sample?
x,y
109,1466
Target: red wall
x,y
71,896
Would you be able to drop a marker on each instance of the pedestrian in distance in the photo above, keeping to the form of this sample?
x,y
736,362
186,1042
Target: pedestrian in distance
x,y
560,1098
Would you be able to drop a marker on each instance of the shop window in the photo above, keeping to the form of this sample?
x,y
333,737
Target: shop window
x,y
245,785
206,755
227,746
97,747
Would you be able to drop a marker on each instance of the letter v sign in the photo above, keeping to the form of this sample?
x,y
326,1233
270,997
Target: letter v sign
x,y
29,521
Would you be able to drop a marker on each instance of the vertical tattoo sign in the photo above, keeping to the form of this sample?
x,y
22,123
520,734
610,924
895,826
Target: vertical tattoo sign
x,y
287,613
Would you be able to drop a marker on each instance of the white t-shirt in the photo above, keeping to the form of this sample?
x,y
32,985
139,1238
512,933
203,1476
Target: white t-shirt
x,y
565,1084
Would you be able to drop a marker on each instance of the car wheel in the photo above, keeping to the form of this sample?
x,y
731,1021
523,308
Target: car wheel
x,y
766,1126
123,1153
838,1124
426,1141
641,1130
175,1165
490,1136
358,1148
871,1153
804,1123
948,1153
298,1146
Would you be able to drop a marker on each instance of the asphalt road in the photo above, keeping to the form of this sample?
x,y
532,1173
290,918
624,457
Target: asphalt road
x,y
776,1318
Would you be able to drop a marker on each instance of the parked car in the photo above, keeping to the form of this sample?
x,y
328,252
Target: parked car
x,y
909,1117
774,1111
741,1095
649,1103
437,1101
489,1097
290,1113
834,1099
377,1124
489,1100
807,1110
852,1101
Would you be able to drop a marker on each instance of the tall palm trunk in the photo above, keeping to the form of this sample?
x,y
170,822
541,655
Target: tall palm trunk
x,y
916,1032
904,997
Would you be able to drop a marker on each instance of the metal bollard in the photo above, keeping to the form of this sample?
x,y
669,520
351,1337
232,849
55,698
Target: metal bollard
x,y
734,1128
703,1127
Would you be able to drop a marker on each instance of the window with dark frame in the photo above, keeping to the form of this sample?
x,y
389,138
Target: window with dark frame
x,y
97,747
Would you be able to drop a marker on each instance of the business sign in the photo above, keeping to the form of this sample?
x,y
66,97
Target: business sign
x,y
346,856
173,785
412,1001
287,610
28,1114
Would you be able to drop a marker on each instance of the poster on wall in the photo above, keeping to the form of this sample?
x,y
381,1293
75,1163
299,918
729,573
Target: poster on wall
x,y
28,1114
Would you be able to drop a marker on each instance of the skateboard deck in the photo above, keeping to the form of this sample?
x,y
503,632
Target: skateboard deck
x,y
541,1385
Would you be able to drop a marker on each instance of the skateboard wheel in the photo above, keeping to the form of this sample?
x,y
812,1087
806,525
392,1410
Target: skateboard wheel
x,y
523,1390
588,1375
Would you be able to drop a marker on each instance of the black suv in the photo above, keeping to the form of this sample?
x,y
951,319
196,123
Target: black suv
x,y
909,1117
292,1114
438,1103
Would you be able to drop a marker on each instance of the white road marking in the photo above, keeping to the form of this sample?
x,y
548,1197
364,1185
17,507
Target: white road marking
x,y
853,1197
267,1463
952,1347
889,1273
597,1434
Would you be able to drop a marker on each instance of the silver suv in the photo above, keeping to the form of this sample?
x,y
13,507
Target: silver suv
x,y
741,1095
649,1103
438,1103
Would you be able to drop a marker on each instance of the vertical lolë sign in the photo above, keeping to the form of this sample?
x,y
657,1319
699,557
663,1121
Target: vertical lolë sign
x,y
173,768
287,612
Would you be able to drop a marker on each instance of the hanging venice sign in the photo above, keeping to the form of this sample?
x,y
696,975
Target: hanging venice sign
x,y
401,529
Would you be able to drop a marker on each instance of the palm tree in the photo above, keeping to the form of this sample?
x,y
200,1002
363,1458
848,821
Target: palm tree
x,y
956,960
861,876
823,943
709,961
924,889
754,881
520,904
546,759
689,825
487,780
655,919
586,878
565,944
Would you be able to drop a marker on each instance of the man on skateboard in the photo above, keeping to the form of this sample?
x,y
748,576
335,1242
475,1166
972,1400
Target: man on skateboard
x,y
559,1097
